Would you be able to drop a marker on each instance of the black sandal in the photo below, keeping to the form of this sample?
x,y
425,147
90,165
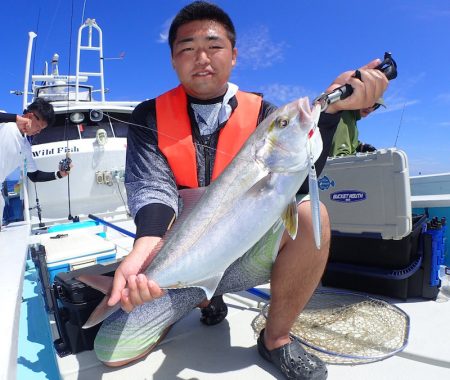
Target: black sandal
x,y
293,360
215,312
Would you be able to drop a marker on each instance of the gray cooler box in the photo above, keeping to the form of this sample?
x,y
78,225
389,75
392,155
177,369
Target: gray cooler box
x,y
368,194
377,245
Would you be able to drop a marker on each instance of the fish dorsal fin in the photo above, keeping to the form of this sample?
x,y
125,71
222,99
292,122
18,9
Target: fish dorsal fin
x,y
190,199
290,218
101,283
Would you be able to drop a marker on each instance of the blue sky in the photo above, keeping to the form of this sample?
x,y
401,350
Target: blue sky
x,y
287,49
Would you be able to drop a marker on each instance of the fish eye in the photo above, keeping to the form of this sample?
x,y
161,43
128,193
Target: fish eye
x,y
282,122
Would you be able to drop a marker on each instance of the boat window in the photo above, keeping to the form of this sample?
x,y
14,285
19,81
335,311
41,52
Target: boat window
x,y
114,123
61,130
64,92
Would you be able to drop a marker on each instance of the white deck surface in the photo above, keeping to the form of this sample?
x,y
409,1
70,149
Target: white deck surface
x,y
192,351
228,350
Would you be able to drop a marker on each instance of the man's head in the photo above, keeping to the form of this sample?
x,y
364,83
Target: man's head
x,y
199,11
41,114
202,41
366,111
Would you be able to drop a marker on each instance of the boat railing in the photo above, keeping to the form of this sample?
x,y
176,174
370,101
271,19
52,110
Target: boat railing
x,y
90,24
55,87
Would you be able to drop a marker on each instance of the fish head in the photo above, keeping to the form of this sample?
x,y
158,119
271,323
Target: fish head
x,y
290,138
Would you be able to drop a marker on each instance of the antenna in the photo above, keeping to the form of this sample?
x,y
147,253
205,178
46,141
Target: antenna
x,y
121,56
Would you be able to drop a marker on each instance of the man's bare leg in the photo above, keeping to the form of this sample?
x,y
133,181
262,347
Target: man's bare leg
x,y
295,275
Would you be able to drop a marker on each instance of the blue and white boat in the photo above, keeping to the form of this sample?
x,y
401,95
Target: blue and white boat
x,y
93,133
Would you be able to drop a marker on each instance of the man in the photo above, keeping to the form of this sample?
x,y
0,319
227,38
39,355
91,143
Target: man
x,y
203,53
15,148
345,141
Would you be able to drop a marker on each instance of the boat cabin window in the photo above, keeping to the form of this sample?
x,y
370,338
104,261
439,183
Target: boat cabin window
x,y
114,123
64,92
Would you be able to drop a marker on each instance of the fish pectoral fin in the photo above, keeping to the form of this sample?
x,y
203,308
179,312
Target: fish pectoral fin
x,y
209,285
100,313
101,283
290,219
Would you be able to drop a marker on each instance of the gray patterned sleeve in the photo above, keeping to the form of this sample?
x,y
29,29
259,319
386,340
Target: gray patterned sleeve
x,y
148,177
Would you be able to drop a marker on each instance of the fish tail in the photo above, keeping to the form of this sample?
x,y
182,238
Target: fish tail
x,y
100,313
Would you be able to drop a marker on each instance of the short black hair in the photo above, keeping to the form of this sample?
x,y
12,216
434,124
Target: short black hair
x,y
201,10
45,110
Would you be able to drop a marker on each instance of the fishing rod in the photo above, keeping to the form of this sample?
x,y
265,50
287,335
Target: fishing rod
x,y
388,67
64,164
38,208
399,125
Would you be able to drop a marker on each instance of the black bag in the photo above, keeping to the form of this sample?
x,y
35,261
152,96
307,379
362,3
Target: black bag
x,y
75,302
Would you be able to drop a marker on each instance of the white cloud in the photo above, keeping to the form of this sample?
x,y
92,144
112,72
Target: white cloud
x,y
395,104
257,50
397,95
283,93
164,33
443,98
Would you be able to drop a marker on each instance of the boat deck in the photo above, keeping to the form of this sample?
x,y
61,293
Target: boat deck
x,y
194,351
228,350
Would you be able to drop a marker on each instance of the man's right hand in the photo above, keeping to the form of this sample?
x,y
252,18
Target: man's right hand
x,y
131,287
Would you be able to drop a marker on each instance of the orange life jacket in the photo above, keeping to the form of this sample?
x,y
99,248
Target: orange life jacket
x,y
175,133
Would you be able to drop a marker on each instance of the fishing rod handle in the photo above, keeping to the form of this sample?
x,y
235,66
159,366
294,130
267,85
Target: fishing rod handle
x,y
388,67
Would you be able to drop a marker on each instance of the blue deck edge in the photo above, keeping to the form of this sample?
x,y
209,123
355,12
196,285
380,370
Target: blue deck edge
x,y
36,356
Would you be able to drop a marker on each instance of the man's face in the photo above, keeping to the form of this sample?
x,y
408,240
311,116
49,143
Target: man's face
x,y
37,123
203,58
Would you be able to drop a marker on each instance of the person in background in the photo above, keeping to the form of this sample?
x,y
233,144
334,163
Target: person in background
x,y
203,53
346,138
15,148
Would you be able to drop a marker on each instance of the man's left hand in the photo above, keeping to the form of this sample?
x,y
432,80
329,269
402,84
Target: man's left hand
x,y
64,173
366,91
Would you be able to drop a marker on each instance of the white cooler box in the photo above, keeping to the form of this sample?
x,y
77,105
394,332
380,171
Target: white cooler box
x,y
74,250
368,194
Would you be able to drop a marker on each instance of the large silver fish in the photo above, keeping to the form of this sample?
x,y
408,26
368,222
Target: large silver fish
x,y
256,189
